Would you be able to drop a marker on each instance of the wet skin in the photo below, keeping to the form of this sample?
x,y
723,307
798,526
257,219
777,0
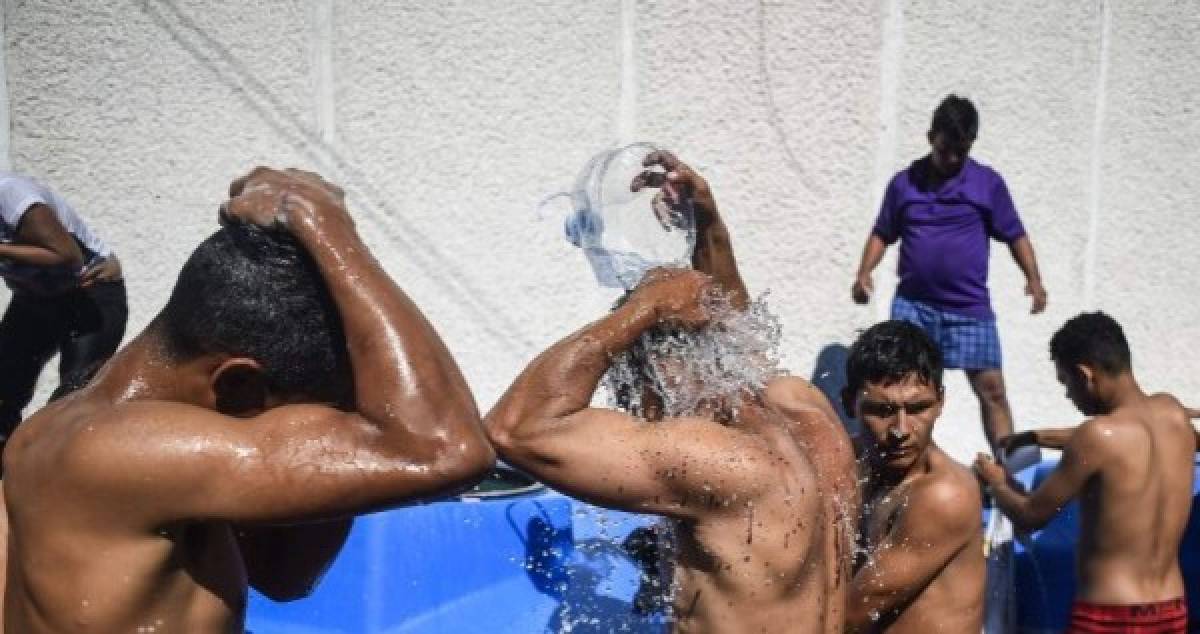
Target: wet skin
x,y
1131,468
924,569
758,505
762,508
135,503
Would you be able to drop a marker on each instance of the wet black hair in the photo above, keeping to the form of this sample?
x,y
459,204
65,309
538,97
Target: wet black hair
x,y
890,351
256,293
628,390
956,119
1092,339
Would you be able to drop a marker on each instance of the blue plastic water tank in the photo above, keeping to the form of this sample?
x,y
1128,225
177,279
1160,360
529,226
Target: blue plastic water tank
x,y
524,564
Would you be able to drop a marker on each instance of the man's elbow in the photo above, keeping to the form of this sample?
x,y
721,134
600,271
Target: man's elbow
x,y
466,462
502,431
66,251
498,434
72,259
62,256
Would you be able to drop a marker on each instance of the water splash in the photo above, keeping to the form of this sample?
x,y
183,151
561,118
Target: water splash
x,y
674,372
689,370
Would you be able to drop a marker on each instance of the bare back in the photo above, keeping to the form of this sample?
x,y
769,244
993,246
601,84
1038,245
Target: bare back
x,y
124,497
778,561
762,509
79,558
1136,505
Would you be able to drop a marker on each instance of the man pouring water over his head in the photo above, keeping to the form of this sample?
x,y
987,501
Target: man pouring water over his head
x,y
756,478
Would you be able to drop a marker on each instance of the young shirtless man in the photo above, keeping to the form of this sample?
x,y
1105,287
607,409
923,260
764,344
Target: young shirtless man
x,y
1131,467
200,460
924,569
759,502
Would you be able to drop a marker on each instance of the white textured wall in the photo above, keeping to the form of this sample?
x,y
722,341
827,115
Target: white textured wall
x,y
447,121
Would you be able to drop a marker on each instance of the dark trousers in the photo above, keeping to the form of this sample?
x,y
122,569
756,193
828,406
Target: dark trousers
x,y
83,326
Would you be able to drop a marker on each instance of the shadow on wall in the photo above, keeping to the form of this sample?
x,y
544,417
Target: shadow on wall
x,y
829,376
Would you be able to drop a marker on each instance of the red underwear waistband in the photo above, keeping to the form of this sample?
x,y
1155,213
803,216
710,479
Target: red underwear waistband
x,y
1163,617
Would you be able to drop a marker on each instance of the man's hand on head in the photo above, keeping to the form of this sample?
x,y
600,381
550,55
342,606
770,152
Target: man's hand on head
x,y
286,199
677,295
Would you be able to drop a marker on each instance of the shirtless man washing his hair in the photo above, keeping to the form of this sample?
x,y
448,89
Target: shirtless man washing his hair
x,y
151,498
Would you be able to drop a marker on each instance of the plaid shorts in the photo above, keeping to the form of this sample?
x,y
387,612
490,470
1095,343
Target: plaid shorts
x,y
966,342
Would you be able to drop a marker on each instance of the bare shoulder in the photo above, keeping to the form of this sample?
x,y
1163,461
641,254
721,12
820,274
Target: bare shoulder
x,y
801,401
1170,409
72,451
794,394
816,428
948,495
41,441
89,439
1105,435
1174,420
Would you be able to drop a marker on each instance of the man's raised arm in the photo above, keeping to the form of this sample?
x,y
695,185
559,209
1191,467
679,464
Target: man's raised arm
x,y
544,424
414,432
408,388
714,249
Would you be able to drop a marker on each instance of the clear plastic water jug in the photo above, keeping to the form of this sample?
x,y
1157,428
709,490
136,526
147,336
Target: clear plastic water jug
x,y
618,229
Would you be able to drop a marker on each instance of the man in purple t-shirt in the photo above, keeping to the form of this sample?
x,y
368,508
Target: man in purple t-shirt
x,y
944,209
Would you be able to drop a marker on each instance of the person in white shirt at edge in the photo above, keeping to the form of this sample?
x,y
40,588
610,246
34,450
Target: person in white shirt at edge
x,y
68,296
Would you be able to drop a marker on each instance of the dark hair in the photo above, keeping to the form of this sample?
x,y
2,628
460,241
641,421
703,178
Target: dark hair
x,y
956,119
254,292
1092,339
630,388
628,377
890,351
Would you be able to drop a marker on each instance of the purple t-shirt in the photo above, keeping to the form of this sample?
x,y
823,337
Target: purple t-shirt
x,y
944,234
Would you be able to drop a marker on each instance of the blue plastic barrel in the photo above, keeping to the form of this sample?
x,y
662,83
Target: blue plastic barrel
x,y
525,564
